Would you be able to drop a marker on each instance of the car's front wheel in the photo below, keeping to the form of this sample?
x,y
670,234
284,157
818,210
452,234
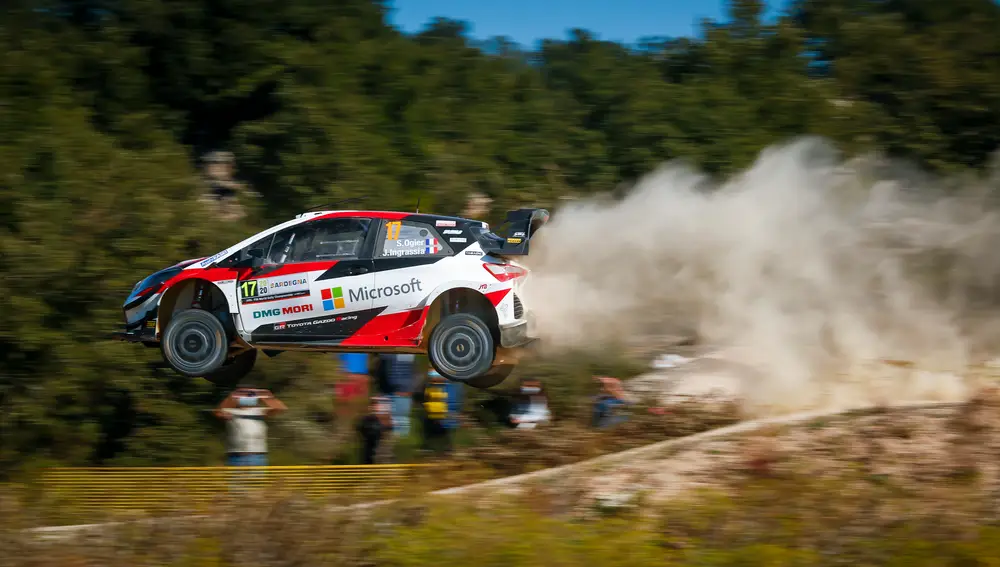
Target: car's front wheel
x,y
194,343
461,347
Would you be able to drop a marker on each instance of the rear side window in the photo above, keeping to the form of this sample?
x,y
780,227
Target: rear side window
x,y
404,239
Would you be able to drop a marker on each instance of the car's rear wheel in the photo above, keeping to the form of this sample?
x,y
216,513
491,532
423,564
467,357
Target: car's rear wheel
x,y
461,347
194,343
233,371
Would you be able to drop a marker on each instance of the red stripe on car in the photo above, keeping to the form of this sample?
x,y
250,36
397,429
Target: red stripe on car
x,y
209,274
496,297
387,215
395,329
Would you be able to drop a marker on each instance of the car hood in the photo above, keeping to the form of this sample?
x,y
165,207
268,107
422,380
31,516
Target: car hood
x,y
151,283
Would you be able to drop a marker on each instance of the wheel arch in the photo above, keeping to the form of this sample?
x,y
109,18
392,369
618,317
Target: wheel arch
x,y
460,299
181,293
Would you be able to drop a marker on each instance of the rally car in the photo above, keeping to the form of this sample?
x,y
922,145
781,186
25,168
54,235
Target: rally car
x,y
346,281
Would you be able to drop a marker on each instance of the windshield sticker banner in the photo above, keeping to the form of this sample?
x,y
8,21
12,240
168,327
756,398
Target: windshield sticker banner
x,y
213,258
257,291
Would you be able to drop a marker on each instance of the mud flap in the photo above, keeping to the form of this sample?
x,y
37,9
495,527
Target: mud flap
x,y
504,363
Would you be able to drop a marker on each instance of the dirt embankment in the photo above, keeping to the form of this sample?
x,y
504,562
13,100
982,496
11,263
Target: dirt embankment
x,y
912,447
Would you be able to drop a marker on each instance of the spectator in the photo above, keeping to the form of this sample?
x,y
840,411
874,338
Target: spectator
x,y
398,382
435,402
455,391
610,398
245,411
354,385
372,427
532,407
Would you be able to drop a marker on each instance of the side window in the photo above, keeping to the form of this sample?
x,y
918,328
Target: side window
x,y
407,238
329,239
263,244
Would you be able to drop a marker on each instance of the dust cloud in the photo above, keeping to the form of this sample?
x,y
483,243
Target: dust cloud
x,y
808,268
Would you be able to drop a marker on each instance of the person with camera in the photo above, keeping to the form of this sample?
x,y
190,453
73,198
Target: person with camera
x,y
246,411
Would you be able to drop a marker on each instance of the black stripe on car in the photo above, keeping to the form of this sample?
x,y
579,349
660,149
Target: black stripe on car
x,y
346,268
386,264
330,327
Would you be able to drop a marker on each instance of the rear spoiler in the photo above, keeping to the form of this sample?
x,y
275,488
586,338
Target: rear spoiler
x,y
511,238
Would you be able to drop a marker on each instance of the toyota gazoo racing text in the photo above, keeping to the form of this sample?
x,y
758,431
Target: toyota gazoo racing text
x,y
354,281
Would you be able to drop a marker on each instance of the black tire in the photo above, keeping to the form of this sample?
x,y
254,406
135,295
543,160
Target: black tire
x,y
233,371
461,347
194,343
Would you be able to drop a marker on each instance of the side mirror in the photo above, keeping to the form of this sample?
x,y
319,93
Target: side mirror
x,y
256,256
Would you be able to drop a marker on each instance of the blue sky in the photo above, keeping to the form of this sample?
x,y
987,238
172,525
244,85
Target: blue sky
x,y
527,21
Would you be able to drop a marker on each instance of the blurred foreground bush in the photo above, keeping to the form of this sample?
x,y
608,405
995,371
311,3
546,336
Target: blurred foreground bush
x,y
799,520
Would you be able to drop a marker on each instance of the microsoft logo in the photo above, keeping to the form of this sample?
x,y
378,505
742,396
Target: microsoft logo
x,y
332,299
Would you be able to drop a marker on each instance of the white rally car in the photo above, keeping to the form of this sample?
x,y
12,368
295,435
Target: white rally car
x,y
346,281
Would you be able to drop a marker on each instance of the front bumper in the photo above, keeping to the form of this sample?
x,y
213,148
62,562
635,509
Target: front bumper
x,y
144,333
515,335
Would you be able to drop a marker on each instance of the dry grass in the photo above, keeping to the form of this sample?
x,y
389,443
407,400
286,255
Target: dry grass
x,y
887,488
799,519
509,452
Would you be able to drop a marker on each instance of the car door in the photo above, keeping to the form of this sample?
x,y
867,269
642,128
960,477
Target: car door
x,y
405,254
303,293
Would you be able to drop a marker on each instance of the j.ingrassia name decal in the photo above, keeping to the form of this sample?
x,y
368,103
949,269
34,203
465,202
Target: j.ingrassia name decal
x,y
414,247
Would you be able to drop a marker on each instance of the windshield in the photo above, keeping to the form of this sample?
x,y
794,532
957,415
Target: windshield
x,y
325,239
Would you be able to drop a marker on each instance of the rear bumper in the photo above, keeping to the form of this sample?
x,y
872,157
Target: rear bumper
x,y
515,335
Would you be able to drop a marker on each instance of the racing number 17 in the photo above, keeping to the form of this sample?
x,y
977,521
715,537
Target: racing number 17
x,y
249,288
